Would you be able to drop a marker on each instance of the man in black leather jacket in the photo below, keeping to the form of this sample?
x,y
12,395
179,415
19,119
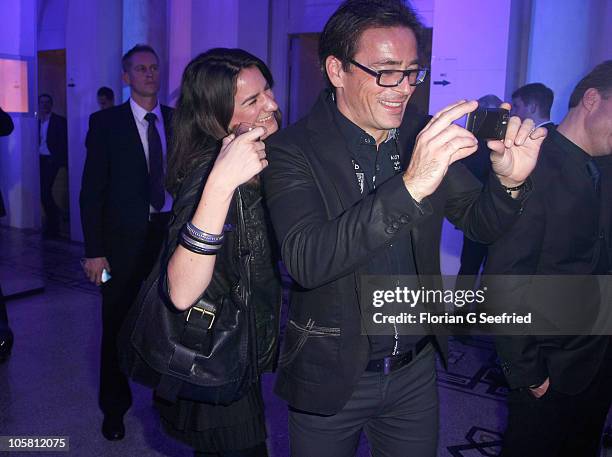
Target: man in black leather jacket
x,y
353,190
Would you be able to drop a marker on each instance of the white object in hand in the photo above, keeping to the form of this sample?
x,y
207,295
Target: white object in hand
x,y
105,276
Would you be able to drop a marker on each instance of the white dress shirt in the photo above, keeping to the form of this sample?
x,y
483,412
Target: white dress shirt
x,y
139,116
43,149
542,124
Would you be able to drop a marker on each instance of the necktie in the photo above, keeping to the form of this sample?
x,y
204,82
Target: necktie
x,y
594,173
156,164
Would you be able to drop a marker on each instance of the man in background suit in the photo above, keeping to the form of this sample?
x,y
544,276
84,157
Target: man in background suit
x,y
53,154
534,101
124,212
105,97
6,335
561,385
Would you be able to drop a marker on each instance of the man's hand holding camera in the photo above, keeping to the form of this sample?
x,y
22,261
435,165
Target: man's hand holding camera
x,y
441,143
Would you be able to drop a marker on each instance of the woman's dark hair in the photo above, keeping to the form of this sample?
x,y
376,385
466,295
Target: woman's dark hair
x,y
205,108
341,34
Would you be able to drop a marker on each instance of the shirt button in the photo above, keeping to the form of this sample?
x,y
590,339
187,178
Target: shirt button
x,y
390,230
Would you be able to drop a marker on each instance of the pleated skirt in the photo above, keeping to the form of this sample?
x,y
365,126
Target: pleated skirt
x,y
216,428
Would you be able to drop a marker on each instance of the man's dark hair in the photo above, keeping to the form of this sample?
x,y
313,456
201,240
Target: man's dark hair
x,y
489,101
125,60
341,35
106,92
45,96
538,94
599,78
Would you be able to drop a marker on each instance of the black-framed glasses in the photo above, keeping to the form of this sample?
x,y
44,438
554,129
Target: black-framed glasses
x,y
393,78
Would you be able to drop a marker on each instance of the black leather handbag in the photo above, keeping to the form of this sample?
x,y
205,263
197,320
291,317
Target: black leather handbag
x,y
206,353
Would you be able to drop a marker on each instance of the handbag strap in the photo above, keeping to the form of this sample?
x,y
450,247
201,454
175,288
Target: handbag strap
x,y
198,323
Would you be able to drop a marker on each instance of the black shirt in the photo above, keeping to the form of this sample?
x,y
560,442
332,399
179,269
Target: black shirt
x,y
592,169
374,166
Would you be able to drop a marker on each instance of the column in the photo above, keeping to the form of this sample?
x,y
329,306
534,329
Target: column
x,y
19,152
93,59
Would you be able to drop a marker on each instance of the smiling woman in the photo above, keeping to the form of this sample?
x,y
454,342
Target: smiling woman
x,y
218,236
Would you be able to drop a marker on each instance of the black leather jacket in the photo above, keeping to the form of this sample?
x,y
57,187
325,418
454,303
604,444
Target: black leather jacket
x,y
250,218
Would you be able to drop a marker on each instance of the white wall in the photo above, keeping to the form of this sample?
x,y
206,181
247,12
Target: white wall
x,y
469,50
195,26
19,152
93,59
146,22
565,49
559,49
179,44
51,24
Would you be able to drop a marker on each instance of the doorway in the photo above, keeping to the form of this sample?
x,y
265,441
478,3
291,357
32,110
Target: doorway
x,y
53,143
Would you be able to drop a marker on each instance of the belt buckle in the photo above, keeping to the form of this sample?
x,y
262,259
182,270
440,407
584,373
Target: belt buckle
x,y
203,312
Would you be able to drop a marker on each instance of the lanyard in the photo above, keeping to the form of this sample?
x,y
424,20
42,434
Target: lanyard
x,y
394,157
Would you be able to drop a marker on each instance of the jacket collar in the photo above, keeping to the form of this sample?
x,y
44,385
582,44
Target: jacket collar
x,y
330,146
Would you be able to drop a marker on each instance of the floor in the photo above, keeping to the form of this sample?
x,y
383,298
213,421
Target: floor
x,y
49,385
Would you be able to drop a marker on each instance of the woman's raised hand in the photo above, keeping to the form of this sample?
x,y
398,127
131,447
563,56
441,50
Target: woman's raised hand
x,y
240,159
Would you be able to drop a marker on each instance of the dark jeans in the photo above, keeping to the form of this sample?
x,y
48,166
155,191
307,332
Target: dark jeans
x,y
557,424
118,294
398,413
48,173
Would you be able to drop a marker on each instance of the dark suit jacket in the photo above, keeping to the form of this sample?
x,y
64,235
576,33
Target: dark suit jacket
x,y
6,124
6,127
115,187
327,233
57,139
559,233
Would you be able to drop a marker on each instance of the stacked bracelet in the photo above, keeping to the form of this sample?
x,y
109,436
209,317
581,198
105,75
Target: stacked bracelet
x,y
199,241
201,235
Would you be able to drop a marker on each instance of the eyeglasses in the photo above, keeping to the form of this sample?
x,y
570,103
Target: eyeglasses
x,y
393,78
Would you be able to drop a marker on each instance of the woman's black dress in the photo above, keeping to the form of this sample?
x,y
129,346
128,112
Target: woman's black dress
x,y
241,425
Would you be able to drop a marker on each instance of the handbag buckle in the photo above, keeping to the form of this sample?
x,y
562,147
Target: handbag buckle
x,y
203,312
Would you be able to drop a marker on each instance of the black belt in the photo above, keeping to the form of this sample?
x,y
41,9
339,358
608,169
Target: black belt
x,y
394,362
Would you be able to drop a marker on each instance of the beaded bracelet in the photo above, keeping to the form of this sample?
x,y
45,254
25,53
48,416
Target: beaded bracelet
x,y
200,244
201,235
198,248
509,190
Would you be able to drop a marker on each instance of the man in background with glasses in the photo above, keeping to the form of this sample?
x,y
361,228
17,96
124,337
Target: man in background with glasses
x,y
353,190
